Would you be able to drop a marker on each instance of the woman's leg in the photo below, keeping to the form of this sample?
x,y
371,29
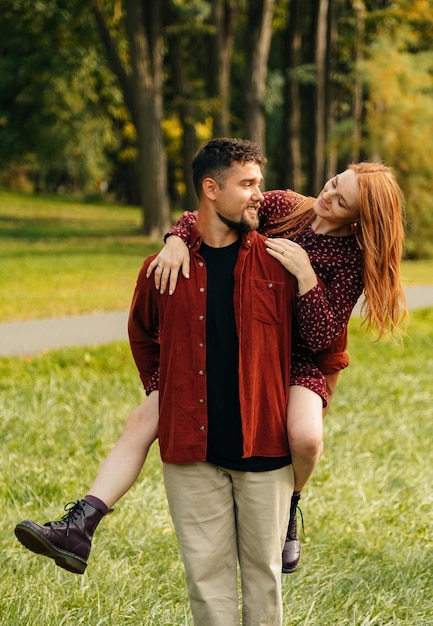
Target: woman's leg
x,y
305,432
123,465
69,540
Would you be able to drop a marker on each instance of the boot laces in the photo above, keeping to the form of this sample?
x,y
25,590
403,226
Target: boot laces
x,y
292,531
73,510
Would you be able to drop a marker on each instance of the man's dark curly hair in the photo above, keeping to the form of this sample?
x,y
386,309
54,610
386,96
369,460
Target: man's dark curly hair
x,y
215,158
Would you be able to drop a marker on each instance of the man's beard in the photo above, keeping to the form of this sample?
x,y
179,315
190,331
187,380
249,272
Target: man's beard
x,y
242,227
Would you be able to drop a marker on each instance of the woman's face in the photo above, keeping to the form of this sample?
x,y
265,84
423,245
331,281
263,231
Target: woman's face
x,y
338,200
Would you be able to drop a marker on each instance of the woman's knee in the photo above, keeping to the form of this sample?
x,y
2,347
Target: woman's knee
x,y
304,442
142,420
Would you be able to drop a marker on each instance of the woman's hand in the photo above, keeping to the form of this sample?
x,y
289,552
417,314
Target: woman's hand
x,y
166,265
296,261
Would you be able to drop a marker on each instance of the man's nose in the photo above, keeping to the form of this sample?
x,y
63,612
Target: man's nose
x,y
257,193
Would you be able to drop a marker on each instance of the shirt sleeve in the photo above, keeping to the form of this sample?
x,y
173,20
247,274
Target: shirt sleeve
x,y
183,226
143,330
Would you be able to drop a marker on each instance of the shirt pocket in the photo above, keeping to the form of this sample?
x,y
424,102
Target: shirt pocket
x,y
267,300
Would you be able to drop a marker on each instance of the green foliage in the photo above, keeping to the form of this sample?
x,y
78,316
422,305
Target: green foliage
x,y
65,124
367,511
399,118
56,129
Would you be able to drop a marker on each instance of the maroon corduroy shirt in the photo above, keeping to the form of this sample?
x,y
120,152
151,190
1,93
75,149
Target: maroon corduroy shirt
x,y
169,333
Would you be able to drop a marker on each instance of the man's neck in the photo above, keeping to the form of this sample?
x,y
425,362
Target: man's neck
x,y
214,233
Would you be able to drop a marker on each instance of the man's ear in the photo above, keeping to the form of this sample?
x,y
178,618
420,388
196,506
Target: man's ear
x,y
210,186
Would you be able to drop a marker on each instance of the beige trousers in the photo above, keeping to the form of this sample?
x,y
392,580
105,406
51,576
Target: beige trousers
x,y
222,518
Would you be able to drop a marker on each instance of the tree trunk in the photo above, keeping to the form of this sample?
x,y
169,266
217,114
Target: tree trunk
x,y
359,8
224,18
331,70
144,99
320,100
186,114
259,33
144,26
292,175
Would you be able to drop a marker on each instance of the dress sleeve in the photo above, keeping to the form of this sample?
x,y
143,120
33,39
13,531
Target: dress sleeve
x,y
183,226
335,358
153,383
276,206
324,312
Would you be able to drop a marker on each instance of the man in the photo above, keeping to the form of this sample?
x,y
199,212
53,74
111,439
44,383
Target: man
x,y
222,345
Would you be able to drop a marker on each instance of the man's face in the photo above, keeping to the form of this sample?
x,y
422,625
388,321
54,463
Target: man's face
x,y
238,200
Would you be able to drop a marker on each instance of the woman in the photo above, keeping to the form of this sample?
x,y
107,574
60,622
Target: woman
x,y
348,240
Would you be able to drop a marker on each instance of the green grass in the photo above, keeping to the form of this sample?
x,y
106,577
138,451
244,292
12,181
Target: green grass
x,y
368,544
60,257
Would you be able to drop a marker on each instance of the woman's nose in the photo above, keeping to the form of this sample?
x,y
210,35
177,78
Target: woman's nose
x,y
327,194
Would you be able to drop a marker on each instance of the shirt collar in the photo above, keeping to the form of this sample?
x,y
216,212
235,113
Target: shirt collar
x,y
196,238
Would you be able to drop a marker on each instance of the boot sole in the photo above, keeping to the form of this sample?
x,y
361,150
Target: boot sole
x,y
37,543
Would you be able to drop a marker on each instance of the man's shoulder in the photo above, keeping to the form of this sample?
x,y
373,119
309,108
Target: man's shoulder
x,y
274,267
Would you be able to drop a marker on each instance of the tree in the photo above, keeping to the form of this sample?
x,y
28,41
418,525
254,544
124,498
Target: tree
x,y
224,19
292,150
259,36
55,131
143,94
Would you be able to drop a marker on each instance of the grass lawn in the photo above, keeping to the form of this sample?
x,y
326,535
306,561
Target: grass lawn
x,y
61,258
368,543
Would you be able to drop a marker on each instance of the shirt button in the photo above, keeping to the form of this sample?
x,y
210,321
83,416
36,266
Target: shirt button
x,y
201,318
270,285
201,263
201,427
200,345
201,401
201,289
201,372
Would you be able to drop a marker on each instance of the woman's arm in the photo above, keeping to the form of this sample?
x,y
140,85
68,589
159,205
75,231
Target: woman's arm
x,y
296,261
323,311
174,255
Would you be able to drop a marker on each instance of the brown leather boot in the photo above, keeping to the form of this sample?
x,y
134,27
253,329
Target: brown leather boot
x,y
67,541
292,546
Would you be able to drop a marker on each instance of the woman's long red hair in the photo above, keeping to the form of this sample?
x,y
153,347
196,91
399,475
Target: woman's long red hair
x,y
380,234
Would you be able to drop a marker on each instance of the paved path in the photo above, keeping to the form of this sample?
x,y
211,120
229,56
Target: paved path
x,y
31,337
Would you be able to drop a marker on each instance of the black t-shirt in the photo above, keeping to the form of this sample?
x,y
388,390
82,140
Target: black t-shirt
x,y
225,442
